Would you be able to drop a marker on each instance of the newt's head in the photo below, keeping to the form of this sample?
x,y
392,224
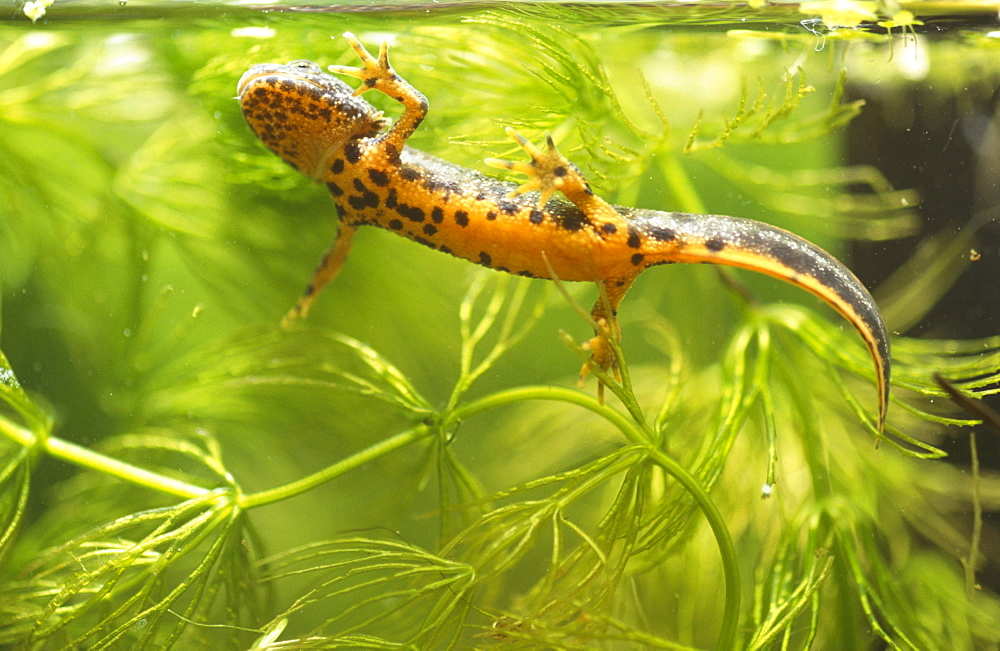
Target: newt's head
x,y
302,114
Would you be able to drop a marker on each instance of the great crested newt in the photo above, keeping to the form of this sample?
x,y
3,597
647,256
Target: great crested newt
x,y
323,128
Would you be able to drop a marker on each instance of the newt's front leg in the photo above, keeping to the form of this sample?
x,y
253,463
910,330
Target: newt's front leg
x,y
378,74
328,268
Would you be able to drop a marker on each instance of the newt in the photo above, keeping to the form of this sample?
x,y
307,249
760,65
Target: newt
x,y
323,128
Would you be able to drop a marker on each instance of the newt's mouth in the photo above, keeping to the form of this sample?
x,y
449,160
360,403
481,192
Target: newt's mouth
x,y
254,73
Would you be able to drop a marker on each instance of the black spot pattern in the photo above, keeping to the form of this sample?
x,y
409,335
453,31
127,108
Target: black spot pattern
x,y
352,151
715,244
569,217
367,199
378,177
634,239
413,213
661,233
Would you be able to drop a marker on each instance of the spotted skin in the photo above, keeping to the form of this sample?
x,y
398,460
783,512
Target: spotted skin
x,y
320,126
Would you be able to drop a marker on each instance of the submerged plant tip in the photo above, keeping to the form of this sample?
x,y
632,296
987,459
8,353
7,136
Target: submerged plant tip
x,y
36,9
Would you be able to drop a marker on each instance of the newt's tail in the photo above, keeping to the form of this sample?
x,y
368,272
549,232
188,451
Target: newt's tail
x,y
749,244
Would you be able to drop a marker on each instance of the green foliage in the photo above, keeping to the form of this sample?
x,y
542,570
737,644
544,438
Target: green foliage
x,y
410,468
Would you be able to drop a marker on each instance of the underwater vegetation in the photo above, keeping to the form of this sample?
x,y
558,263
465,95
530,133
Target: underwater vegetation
x,y
414,465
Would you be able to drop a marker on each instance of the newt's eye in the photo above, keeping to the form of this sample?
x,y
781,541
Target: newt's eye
x,y
306,66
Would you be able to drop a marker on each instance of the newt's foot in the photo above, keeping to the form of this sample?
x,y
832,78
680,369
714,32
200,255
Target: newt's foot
x,y
300,311
548,171
602,355
375,73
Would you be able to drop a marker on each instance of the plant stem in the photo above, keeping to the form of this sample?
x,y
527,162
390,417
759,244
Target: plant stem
x,y
730,621
969,563
341,467
572,396
80,456
730,566
20,435
83,457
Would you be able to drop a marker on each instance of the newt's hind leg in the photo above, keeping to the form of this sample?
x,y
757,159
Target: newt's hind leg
x,y
549,171
605,315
